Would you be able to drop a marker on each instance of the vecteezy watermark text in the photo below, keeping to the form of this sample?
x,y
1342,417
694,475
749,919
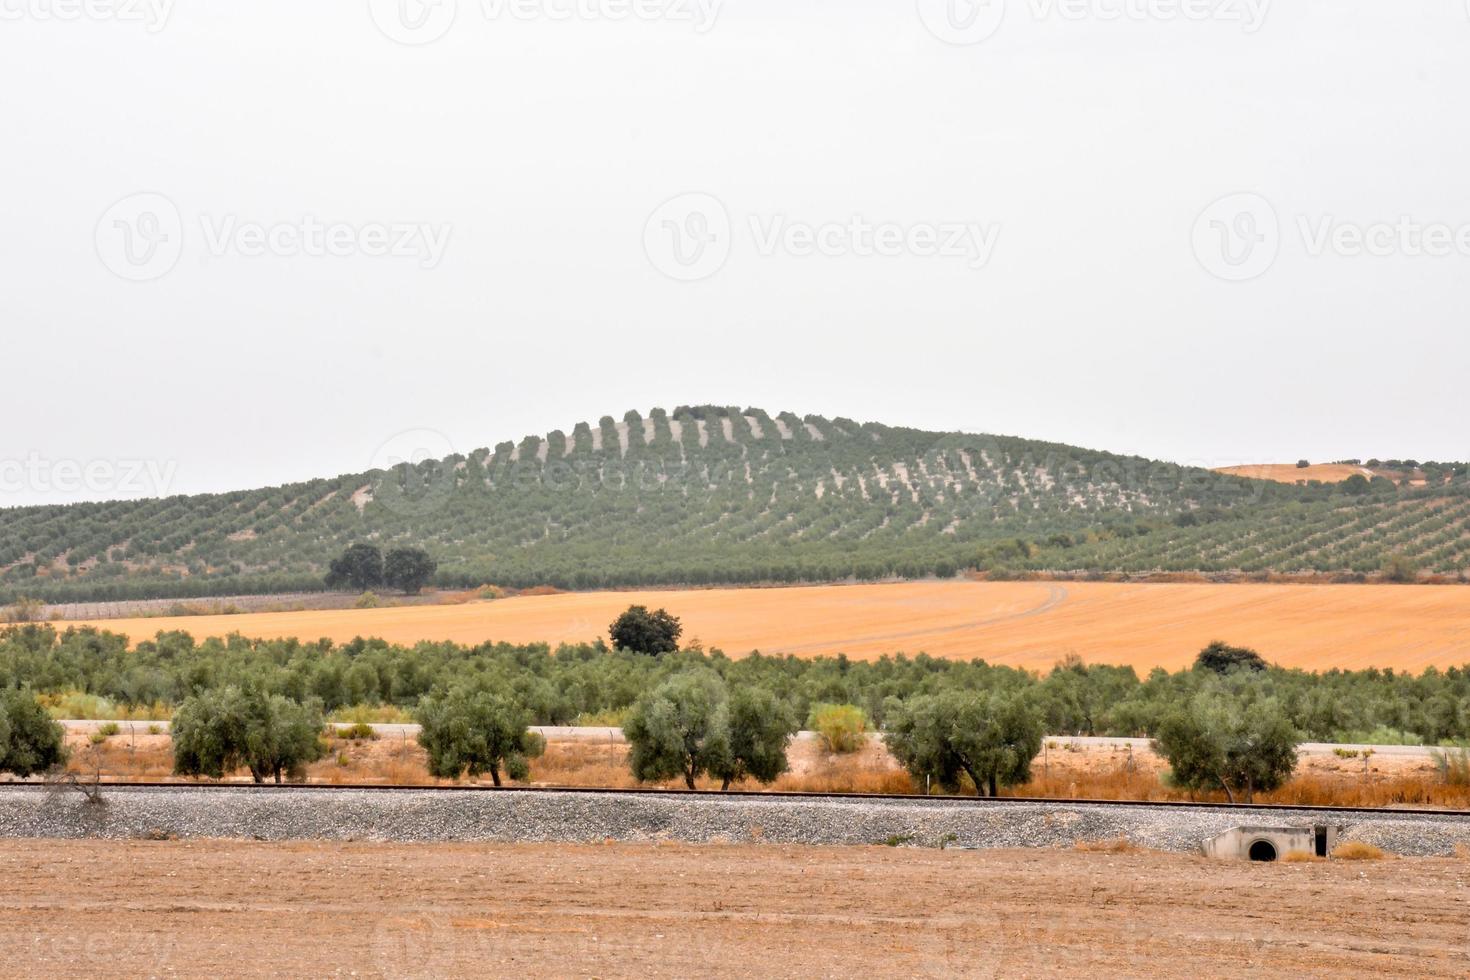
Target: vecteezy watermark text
x,y
152,14
973,21
39,474
690,237
142,237
425,21
226,234
1240,237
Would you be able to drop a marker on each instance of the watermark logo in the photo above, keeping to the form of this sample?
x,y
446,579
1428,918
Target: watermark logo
x,y
414,22
419,473
688,237
152,14
971,242
227,235
700,14
93,478
962,22
418,22
141,237
691,236
1238,238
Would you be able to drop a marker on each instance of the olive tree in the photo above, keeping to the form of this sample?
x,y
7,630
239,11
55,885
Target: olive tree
x,y
30,742
692,726
217,732
1229,740
681,728
761,727
990,737
474,731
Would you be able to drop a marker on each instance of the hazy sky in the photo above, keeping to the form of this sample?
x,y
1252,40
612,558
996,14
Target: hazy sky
x,y
246,243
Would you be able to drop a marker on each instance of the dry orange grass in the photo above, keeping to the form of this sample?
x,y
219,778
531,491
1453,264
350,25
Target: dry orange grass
x,y
1120,845
1027,624
1355,850
1291,473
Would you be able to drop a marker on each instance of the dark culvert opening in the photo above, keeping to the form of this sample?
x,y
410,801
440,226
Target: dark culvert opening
x,y
1263,850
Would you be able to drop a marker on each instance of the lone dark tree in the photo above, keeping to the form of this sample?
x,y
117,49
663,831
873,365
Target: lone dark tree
x,y
220,731
30,742
646,632
1222,658
409,569
1228,741
472,730
990,737
358,568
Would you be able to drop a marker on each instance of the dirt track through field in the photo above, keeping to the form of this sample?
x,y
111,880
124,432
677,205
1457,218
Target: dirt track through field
x,y
319,909
1031,624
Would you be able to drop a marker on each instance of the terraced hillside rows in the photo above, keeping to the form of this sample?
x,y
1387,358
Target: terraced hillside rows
x,y
724,495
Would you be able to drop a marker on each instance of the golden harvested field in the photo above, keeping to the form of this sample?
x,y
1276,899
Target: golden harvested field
x,y
1291,473
1029,624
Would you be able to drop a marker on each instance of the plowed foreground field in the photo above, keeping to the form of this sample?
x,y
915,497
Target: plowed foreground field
x,y
1030,624
226,908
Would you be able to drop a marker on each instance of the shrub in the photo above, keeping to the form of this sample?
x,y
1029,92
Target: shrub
x,y
1453,766
24,610
841,727
108,729
30,741
470,730
359,732
1401,569
368,600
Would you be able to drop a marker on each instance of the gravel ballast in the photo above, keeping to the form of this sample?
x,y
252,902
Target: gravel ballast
x,y
512,816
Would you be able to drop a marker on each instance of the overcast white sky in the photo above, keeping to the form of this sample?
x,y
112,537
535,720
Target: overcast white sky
x,y
1077,156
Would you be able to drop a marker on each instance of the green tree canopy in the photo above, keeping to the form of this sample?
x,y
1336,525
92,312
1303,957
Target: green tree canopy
x,y
761,727
682,729
219,731
409,569
30,742
1230,739
990,737
646,632
1221,658
359,567
472,730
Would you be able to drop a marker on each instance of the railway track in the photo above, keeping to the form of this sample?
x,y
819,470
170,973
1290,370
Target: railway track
x,y
981,801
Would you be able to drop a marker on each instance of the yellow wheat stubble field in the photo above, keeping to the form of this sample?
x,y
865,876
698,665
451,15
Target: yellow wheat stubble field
x,y
1026,624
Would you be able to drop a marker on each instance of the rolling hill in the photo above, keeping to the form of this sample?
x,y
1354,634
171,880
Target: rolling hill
x,y
723,495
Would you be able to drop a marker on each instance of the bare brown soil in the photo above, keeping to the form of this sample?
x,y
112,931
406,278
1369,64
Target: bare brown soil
x,y
225,908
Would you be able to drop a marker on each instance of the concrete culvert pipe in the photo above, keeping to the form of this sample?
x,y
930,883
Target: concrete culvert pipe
x,y
1262,850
